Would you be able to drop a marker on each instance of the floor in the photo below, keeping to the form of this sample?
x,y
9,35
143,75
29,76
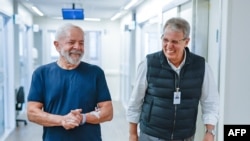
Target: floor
x,y
115,130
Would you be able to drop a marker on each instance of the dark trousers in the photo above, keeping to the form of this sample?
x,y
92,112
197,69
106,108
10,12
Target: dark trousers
x,y
145,137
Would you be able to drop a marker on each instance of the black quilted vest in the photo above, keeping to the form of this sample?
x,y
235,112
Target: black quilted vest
x,y
160,117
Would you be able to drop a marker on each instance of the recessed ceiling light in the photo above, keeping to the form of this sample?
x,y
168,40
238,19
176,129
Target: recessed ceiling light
x,y
37,11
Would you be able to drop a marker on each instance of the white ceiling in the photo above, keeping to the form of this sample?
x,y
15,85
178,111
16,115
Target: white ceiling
x,y
103,9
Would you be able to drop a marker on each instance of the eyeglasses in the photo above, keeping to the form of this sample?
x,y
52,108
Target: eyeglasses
x,y
175,42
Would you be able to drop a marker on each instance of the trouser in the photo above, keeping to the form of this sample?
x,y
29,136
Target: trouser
x,y
145,137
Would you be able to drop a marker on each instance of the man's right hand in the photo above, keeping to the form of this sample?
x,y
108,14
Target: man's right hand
x,y
72,119
133,137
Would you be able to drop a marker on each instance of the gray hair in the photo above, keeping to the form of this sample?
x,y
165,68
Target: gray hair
x,y
178,24
63,30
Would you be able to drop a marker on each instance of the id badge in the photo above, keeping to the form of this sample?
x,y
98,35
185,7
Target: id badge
x,y
177,97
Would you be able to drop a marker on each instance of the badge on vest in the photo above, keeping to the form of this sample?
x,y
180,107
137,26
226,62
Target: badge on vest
x,y
177,97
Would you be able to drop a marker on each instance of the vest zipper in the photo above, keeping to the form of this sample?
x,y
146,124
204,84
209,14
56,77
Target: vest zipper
x,y
177,87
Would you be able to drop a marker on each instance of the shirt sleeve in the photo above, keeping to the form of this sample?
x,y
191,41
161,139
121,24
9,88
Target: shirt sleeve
x,y
102,87
209,98
134,107
36,92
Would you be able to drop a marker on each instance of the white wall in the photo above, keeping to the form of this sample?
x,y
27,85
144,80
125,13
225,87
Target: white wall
x,y
213,37
229,56
111,60
213,56
237,61
235,66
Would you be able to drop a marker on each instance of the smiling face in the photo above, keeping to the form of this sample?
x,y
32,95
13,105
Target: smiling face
x,y
71,46
173,45
174,39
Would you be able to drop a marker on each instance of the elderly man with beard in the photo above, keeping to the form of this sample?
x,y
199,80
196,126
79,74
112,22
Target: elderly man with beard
x,y
69,97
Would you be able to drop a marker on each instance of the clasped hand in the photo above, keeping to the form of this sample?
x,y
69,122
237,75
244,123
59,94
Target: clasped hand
x,y
72,119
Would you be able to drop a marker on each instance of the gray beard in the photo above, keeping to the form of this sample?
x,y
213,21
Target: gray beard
x,y
69,59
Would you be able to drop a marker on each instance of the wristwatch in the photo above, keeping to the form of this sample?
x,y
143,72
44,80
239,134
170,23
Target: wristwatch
x,y
211,131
